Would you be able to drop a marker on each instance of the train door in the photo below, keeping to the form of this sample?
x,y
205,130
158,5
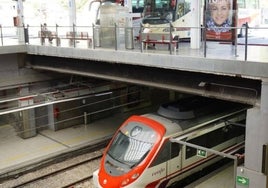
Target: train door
x,y
157,171
166,162
174,164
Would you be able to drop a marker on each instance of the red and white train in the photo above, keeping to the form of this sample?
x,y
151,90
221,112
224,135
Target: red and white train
x,y
142,154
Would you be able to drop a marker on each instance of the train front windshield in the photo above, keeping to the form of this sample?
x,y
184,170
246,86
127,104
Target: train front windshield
x,y
130,146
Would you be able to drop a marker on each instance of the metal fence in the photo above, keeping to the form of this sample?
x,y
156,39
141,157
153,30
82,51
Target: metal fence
x,y
130,39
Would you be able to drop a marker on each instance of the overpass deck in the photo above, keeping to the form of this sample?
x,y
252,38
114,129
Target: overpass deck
x,y
221,58
211,60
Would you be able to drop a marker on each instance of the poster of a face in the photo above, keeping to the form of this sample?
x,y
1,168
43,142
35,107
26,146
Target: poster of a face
x,y
219,15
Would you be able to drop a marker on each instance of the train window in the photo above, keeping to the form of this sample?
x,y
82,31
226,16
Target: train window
x,y
132,143
168,150
214,138
163,155
201,141
117,149
175,149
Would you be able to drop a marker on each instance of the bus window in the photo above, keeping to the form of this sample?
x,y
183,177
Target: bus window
x,y
137,6
241,3
183,8
176,12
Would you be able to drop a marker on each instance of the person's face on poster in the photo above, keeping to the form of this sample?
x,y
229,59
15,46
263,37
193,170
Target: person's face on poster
x,y
219,10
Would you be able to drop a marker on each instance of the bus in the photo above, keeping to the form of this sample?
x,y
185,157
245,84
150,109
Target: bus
x,y
157,13
162,18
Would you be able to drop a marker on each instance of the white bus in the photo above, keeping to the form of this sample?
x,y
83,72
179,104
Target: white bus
x,y
163,18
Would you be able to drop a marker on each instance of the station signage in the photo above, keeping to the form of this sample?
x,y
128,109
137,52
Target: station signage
x,y
242,180
201,153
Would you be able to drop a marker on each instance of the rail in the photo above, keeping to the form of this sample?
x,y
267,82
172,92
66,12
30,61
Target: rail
x,y
126,39
86,162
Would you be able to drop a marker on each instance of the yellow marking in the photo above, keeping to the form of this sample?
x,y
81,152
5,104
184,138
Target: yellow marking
x,y
5,126
50,147
15,157
76,139
84,137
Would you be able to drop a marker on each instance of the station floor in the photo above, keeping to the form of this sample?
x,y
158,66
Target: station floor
x,y
223,178
17,152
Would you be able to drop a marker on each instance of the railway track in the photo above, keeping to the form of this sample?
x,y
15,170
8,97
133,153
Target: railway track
x,y
69,173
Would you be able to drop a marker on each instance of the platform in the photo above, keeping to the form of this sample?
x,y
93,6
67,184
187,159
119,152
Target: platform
x,y
222,178
17,152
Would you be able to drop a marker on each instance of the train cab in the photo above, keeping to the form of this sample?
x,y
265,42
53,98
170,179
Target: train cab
x,y
137,139
141,153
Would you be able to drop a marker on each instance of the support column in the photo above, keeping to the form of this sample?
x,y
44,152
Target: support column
x,y
196,23
72,12
27,127
20,28
256,137
51,119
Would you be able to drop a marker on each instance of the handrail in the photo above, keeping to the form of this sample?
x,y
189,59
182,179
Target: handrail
x,y
116,34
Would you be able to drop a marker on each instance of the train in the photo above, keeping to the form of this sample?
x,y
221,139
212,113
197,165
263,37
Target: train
x,y
142,153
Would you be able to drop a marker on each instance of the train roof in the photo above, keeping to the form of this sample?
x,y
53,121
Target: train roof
x,y
193,112
170,126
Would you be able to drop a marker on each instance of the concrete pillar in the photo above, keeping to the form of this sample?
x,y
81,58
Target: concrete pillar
x,y
256,137
20,16
196,22
51,119
72,12
27,117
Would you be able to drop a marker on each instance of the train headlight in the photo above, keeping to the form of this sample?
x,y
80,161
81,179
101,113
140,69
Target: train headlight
x,y
104,181
125,182
135,176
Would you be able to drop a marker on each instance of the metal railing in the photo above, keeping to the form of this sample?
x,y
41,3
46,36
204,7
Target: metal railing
x,y
121,38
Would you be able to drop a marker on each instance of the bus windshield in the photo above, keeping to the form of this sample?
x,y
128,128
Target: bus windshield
x,y
164,11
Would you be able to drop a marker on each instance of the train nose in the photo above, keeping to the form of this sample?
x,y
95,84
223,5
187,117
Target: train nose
x,y
96,179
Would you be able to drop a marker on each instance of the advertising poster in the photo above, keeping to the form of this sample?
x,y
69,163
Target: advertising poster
x,y
219,16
